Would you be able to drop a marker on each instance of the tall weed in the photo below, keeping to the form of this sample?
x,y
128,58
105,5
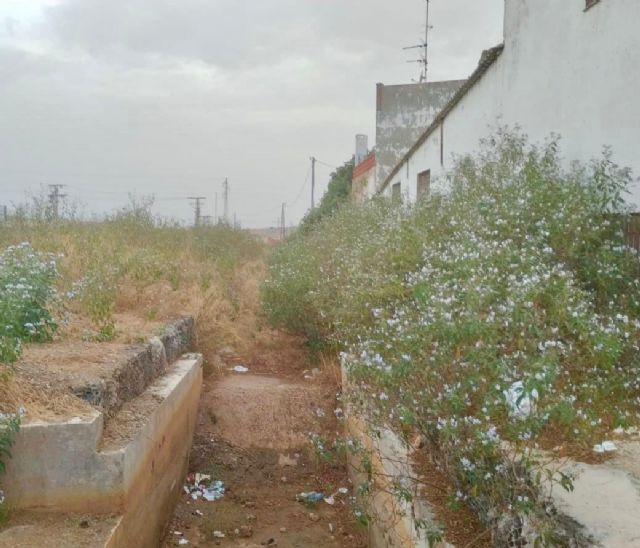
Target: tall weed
x,y
499,317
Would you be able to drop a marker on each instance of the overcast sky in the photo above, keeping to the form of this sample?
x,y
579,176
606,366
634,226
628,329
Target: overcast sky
x,y
169,97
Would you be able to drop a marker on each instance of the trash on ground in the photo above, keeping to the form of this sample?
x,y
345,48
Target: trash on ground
x,y
201,486
214,492
218,534
343,491
330,500
183,541
198,513
310,498
319,412
521,405
605,447
241,369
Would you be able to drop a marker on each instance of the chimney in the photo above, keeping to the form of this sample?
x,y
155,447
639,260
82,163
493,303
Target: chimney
x,y
362,148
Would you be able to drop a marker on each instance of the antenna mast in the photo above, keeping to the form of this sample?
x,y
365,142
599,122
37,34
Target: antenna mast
x,y
424,61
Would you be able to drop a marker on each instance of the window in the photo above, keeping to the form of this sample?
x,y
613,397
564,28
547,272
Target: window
x,y
424,184
396,193
590,4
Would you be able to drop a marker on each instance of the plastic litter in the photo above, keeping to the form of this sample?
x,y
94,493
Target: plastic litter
x,y
241,369
214,492
183,541
330,500
521,405
343,491
310,498
218,534
605,447
201,486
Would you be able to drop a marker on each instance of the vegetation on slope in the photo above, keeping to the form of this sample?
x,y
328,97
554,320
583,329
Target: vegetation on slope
x,y
81,279
338,194
496,319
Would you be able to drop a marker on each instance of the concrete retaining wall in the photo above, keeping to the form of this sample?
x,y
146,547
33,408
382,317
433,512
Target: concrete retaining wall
x,y
394,522
58,466
155,463
142,365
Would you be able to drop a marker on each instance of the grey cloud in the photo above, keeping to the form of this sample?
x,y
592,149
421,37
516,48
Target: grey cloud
x,y
168,97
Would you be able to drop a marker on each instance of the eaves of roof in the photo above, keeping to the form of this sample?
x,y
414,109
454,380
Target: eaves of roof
x,y
488,58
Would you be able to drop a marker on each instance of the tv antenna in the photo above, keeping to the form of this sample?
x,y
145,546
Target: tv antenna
x,y
424,60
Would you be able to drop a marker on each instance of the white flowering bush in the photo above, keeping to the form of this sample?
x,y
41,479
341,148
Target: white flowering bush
x,y
498,319
26,288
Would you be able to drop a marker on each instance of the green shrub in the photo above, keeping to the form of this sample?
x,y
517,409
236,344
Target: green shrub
x,y
505,309
26,287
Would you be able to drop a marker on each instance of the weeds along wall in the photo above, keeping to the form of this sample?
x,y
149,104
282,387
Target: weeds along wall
x,y
95,260
495,320
51,270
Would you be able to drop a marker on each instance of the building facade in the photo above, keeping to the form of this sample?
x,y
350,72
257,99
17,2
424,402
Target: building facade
x,y
403,113
569,67
363,185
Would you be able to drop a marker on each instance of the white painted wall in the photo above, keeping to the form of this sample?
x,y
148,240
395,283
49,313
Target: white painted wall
x,y
563,70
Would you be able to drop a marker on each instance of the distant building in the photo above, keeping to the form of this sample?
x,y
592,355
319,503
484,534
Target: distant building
x,y
363,185
403,112
568,67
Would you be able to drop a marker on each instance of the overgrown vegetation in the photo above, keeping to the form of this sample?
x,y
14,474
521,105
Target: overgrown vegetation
x,y
74,277
338,194
495,320
132,249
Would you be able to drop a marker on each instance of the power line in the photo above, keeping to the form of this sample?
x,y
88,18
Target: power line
x,y
197,204
325,164
306,180
54,199
313,182
283,229
225,188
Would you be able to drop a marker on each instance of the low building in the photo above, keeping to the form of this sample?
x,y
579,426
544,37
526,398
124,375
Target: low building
x,y
403,112
567,68
363,185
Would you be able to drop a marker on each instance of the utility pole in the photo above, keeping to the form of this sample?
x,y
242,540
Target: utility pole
x,y
197,205
5,214
283,229
225,188
425,47
313,182
54,199
215,217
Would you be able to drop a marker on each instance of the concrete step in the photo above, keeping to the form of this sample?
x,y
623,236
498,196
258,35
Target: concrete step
x,y
138,368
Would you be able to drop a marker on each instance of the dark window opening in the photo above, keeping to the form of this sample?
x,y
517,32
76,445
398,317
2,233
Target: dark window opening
x,y
424,184
396,193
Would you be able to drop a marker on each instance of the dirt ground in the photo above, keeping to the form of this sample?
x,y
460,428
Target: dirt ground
x,y
253,434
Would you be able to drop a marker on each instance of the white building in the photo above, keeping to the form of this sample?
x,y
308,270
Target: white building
x,y
570,67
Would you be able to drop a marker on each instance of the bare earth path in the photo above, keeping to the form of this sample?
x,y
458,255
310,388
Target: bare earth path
x,y
253,434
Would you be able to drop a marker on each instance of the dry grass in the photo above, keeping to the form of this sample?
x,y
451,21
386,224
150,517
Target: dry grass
x,y
145,275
